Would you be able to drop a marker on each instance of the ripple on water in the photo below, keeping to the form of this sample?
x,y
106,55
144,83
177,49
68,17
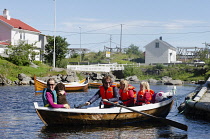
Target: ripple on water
x,y
19,120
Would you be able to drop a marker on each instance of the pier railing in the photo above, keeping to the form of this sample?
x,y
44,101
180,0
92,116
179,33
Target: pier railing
x,y
99,67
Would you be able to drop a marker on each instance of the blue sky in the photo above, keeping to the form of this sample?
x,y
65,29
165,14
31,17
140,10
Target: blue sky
x,y
181,23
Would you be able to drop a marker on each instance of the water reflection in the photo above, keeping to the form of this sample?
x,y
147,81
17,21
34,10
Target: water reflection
x,y
18,118
143,130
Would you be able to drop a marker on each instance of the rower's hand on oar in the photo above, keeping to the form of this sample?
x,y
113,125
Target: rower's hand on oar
x,y
87,103
105,100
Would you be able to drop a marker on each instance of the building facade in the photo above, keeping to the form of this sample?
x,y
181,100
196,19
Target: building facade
x,y
159,51
12,31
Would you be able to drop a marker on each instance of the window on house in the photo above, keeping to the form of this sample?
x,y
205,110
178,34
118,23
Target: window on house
x,y
21,37
157,45
24,36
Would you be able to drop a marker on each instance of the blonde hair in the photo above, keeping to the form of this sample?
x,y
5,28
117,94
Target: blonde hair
x,y
144,85
125,83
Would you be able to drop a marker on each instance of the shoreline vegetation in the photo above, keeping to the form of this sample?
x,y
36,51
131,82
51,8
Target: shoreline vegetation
x,y
21,60
10,72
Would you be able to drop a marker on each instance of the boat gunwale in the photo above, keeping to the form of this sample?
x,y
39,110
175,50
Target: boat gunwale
x,y
66,84
97,110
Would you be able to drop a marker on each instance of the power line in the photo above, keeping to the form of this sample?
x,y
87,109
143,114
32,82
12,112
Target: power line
x,y
91,43
135,34
158,26
86,32
101,28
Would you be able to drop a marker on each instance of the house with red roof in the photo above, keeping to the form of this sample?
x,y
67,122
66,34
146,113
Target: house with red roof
x,y
12,31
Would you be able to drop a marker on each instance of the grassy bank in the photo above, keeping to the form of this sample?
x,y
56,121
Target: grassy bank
x,y
185,73
176,72
11,71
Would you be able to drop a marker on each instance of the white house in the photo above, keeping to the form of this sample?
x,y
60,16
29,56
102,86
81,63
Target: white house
x,y
12,31
159,51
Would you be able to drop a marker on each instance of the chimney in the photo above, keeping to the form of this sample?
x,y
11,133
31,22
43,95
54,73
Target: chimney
x,y
6,14
161,38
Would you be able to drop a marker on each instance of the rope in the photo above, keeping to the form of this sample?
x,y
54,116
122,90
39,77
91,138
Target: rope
x,y
186,101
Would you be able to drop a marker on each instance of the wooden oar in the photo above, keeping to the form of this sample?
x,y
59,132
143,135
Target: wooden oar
x,y
163,120
80,106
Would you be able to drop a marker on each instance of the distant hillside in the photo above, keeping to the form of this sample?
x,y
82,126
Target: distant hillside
x,y
100,57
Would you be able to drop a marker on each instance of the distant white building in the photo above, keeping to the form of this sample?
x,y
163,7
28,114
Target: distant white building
x,y
159,51
12,31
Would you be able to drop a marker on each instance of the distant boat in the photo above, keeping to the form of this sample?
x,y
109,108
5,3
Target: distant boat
x,y
97,84
69,87
94,84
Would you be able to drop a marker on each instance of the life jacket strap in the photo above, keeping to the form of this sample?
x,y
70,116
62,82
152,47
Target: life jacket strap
x,y
139,101
125,100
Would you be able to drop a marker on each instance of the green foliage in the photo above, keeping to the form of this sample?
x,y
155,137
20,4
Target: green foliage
x,y
63,63
99,57
61,49
21,54
37,62
131,71
75,55
10,70
159,66
203,54
134,50
175,72
132,55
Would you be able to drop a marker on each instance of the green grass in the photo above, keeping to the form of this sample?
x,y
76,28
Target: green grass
x,y
11,71
181,72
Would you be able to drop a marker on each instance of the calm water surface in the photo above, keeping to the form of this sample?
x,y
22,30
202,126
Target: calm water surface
x,y
19,120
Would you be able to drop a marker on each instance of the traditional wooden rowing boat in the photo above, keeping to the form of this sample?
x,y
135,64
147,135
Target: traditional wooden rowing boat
x,y
102,116
94,84
73,86
97,84
119,115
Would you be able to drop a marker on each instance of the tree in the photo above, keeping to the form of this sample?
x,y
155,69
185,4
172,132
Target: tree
x,y
21,54
135,54
203,54
133,50
61,49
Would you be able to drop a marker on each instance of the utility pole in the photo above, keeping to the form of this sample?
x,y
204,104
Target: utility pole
x,y
54,33
110,41
121,39
80,46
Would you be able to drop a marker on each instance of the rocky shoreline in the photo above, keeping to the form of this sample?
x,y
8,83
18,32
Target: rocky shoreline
x,y
23,79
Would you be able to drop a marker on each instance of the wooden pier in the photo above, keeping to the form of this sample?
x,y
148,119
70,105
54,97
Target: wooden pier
x,y
197,103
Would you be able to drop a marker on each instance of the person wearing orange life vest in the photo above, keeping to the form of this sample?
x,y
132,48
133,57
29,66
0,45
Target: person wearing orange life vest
x,y
107,92
127,93
145,94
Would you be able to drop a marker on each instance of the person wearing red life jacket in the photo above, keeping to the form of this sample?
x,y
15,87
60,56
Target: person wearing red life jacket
x,y
145,94
107,92
127,93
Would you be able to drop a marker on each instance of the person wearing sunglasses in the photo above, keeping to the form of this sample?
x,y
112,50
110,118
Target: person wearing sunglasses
x,y
49,95
107,92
